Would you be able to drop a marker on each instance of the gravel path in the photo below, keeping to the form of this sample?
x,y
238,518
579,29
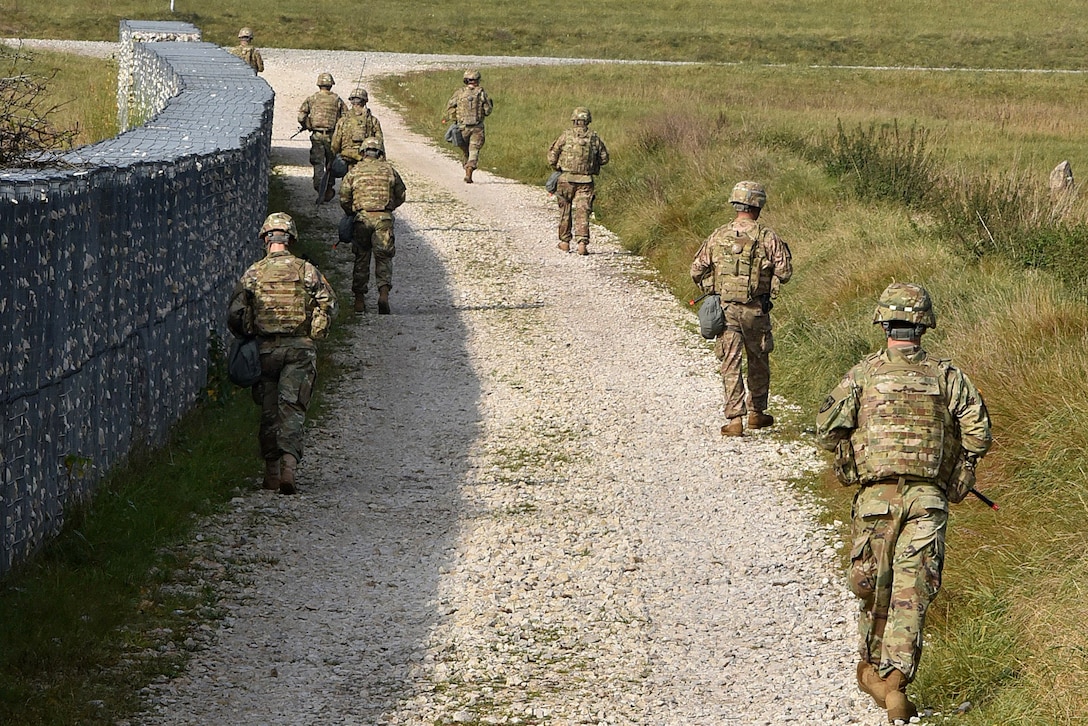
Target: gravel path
x,y
517,508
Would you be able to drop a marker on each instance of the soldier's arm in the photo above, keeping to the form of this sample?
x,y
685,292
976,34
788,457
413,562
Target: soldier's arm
x,y
703,264
837,418
400,193
451,107
602,152
325,303
258,60
778,252
240,313
555,150
346,194
967,407
338,137
378,131
487,104
304,114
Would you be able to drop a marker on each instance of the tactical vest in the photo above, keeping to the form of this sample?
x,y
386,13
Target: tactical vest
x,y
324,111
371,186
580,154
470,106
904,427
739,275
279,300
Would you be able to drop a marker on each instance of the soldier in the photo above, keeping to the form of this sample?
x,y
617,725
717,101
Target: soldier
x,y
369,194
578,154
287,304
358,124
910,430
745,263
467,108
247,52
318,115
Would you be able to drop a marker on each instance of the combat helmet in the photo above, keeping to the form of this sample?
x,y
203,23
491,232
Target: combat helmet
x,y
372,143
749,193
472,75
581,114
279,222
325,81
245,33
359,94
905,302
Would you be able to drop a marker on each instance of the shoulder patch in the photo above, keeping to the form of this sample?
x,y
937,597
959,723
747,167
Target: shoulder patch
x,y
828,403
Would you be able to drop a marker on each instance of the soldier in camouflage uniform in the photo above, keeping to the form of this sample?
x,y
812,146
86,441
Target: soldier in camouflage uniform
x,y
909,429
287,304
247,52
369,193
318,115
744,262
467,108
578,154
357,125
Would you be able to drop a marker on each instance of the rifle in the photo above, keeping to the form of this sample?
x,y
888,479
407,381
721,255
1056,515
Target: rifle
x,y
295,134
984,499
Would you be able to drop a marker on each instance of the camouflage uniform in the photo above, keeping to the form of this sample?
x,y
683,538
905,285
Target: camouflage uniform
x,y
248,52
579,154
906,428
287,304
356,125
370,192
319,114
745,263
468,107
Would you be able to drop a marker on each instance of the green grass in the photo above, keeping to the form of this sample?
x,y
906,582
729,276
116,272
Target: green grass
x,y
1010,312
990,33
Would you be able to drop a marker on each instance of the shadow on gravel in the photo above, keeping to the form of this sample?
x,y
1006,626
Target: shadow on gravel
x,y
389,461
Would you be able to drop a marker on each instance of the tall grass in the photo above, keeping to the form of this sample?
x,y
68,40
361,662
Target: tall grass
x,y
988,33
1010,310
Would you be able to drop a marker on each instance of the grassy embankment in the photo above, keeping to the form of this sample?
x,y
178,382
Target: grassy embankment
x,y
986,33
862,206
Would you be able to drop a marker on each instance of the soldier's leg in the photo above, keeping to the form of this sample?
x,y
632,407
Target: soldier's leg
x,y
916,578
317,159
758,344
564,194
583,208
875,527
362,243
729,349
295,388
475,143
384,251
267,390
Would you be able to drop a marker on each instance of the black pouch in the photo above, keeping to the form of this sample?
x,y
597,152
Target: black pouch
x,y
244,362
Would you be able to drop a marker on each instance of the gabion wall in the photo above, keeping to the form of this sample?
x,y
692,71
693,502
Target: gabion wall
x,y
115,271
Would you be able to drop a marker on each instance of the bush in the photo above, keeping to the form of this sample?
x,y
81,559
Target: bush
x,y
881,162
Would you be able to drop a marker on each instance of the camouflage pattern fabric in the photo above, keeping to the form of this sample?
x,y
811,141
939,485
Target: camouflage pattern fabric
x,y
896,561
370,192
720,259
575,208
579,153
899,521
747,333
747,324
468,107
287,304
250,55
319,114
358,123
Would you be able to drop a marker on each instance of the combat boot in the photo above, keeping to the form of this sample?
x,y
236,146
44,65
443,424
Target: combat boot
x,y
735,427
895,699
271,474
582,245
383,300
468,174
564,246
287,474
360,304
869,681
760,420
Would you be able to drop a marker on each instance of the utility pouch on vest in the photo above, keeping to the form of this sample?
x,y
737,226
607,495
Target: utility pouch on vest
x,y
244,362
711,316
961,482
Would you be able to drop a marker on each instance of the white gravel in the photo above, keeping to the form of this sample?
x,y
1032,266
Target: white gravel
x,y
518,508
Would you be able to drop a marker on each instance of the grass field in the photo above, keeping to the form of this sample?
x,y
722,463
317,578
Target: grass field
x,y
1004,633
681,137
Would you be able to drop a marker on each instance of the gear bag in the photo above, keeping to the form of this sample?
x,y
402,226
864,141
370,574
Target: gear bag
x,y
553,182
244,362
453,135
711,316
